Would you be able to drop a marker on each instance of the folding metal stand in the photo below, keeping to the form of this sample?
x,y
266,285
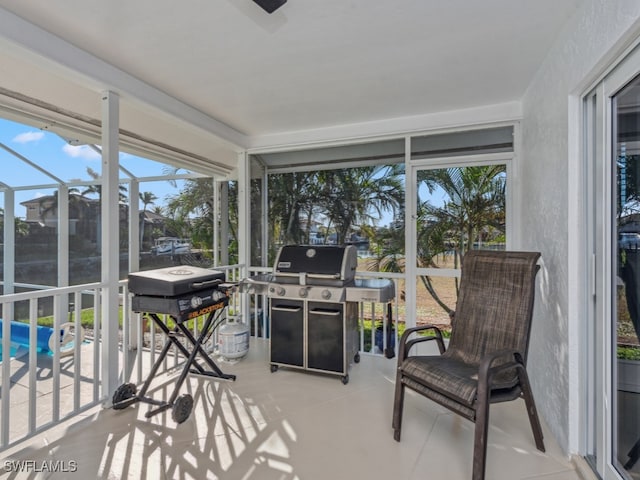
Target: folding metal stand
x,y
182,405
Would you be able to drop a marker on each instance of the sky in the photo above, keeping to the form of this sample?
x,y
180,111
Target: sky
x,y
64,161
68,163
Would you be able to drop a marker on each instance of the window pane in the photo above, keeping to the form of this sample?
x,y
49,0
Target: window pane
x,y
347,194
459,209
436,297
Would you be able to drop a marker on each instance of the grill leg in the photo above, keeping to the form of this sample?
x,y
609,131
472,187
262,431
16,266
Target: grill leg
x,y
197,348
191,361
154,368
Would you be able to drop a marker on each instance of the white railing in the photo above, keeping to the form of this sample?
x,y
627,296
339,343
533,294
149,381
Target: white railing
x,y
41,389
258,307
46,388
377,316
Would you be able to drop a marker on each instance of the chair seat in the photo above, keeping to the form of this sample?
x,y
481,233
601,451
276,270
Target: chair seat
x,y
451,377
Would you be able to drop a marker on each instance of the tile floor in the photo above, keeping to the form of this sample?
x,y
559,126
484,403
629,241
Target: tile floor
x,y
286,425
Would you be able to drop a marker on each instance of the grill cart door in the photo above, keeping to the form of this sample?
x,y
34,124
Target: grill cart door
x,y
287,332
325,337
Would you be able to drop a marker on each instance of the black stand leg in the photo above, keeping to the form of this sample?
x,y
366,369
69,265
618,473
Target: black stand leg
x,y
389,351
196,349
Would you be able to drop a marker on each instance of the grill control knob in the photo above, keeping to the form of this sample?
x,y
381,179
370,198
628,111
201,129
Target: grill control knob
x,y
303,292
326,294
277,291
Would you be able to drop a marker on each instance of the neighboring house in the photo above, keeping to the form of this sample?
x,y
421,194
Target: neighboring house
x,y
84,214
44,211
36,207
152,223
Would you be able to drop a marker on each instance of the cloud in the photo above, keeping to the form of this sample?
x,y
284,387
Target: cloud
x,y
81,151
27,137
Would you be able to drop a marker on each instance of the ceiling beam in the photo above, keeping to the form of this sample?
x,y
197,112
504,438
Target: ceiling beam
x,y
391,127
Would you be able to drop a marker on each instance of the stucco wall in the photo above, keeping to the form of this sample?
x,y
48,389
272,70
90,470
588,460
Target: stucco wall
x,y
550,174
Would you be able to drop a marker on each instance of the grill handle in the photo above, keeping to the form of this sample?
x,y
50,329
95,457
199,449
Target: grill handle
x,y
206,283
323,311
284,308
332,276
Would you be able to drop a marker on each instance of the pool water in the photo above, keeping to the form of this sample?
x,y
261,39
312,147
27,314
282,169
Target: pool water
x,y
12,352
16,350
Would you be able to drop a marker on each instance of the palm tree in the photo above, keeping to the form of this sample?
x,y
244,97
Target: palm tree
x,y
21,227
191,210
97,189
122,200
291,199
387,250
359,195
473,212
345,198
147,198
474,208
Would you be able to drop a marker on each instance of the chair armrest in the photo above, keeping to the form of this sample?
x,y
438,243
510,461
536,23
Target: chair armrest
x,y
406,344
486,371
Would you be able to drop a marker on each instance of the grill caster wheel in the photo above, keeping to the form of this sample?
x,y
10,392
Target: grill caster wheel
x,y
182,408
345,379
356,358
274,368
126,391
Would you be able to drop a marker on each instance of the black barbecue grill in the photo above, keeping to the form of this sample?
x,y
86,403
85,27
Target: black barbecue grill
x,y
313,309
183,293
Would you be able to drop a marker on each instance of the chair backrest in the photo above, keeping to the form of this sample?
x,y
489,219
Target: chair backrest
x,y
495,304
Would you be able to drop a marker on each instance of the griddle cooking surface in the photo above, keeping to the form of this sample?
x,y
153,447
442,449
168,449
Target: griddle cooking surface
x,y
173,281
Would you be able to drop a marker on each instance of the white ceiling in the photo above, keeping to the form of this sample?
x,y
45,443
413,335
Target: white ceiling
x,y
242,76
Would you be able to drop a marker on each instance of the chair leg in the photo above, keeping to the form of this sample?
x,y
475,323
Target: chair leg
x,y
398,404
531,408
480,435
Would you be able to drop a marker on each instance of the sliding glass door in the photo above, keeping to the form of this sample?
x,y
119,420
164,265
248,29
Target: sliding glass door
x,y
613,148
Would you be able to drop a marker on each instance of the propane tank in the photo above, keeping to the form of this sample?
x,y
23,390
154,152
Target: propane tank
x,y
233,339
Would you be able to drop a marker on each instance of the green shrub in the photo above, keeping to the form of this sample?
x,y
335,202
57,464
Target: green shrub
x,y
629,353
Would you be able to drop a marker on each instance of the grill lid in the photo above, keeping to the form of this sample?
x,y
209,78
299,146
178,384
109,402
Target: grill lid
x,y
173,281
317,261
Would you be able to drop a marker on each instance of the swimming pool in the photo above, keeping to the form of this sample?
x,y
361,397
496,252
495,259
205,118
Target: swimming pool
x,y
20,339
13,350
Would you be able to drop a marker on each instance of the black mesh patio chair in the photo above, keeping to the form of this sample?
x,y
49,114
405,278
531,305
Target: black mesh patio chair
x,y
487,354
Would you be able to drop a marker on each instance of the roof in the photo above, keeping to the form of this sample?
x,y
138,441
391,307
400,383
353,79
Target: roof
x,y
51,198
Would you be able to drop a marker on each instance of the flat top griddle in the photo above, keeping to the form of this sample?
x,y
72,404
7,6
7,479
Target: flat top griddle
x,y
174,281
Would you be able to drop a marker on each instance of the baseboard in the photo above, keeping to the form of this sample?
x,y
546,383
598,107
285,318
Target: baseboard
x,y
583,469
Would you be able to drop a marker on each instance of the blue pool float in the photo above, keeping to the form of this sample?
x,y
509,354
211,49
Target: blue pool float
x,y
44,336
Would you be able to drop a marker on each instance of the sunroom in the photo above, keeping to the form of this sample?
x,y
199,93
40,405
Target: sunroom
x,y
248,105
